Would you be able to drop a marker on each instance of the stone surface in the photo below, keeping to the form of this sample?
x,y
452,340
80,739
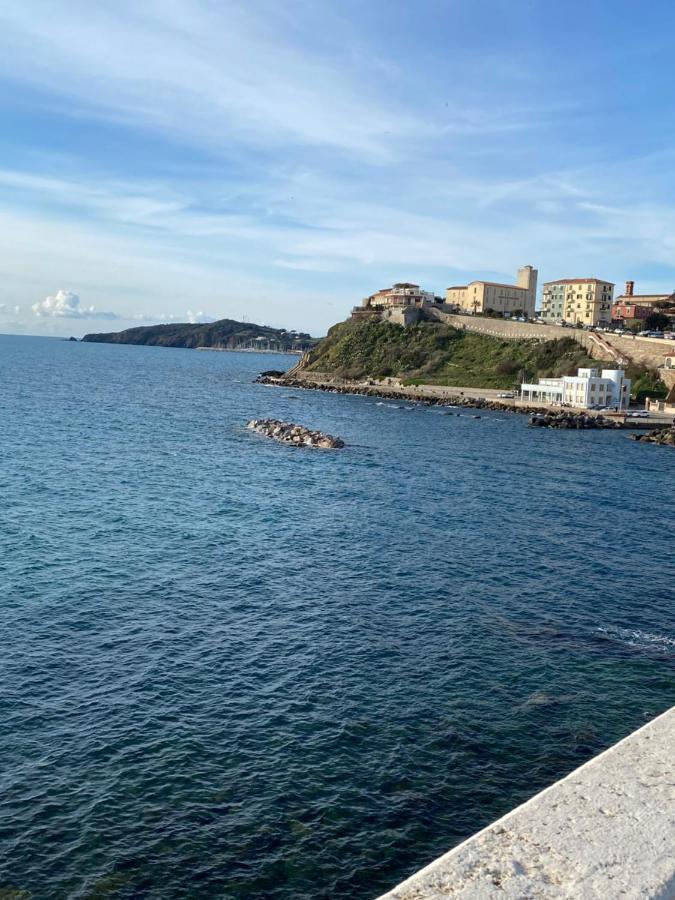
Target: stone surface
x,y
607,831
663,436
296,435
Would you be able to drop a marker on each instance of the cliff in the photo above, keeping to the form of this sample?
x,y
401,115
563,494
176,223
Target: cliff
x,y
225,334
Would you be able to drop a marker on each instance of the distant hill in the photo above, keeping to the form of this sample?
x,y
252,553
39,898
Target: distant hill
x,y
226,334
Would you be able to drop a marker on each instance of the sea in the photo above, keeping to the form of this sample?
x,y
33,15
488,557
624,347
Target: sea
x,y
231,668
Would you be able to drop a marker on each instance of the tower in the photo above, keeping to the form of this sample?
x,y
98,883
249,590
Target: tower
x,y
527,278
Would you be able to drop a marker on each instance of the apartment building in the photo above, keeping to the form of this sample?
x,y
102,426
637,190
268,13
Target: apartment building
x,y
585,301
480,296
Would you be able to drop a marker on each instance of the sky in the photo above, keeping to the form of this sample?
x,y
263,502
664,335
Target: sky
x,y
189,160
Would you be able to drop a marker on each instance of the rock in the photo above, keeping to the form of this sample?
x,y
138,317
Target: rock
x,y
571,420
295,435
663,436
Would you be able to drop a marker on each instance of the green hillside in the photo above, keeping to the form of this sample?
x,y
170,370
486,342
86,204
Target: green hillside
x,y
226,333
433,353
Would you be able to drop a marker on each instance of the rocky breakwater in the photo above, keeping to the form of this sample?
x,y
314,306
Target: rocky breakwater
x,y
571,420
295,435
663,436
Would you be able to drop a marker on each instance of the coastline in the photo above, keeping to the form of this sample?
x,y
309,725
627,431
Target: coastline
x,y
443,395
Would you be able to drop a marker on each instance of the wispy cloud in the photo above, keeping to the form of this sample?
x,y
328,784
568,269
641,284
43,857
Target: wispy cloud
x,y
280,160
203,72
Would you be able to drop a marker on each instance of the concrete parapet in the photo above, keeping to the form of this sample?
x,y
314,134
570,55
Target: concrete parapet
x,y
604,831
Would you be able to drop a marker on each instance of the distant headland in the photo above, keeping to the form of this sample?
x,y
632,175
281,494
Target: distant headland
x,y
225,334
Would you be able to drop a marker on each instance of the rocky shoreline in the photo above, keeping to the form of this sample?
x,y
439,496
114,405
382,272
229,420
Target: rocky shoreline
x,y
663,436
295,435
384,393
571,420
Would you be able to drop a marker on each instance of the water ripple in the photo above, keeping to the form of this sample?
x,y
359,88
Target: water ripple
x,y
234,670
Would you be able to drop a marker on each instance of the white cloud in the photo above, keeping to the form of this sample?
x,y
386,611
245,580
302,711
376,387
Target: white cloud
x,y
66,305
198,318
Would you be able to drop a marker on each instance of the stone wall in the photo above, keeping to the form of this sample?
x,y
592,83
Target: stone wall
x,y
641,351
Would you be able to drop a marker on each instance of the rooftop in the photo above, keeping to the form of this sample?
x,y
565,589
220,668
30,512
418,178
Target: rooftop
x,y
579,281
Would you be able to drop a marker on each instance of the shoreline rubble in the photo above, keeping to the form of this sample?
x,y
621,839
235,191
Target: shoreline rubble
x,y
665,437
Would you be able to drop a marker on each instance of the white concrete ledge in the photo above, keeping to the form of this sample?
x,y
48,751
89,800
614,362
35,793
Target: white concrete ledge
x,y
606,831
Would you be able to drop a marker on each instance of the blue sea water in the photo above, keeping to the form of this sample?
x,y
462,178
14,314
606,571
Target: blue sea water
x,y
235,669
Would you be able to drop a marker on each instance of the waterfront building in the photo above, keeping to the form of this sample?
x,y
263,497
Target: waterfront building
x,y
587,389
480,296
584,301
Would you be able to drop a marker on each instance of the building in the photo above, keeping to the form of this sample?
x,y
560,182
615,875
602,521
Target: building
x,y
403,303
651,301
584,301
585,390
400,295
627,314
480,296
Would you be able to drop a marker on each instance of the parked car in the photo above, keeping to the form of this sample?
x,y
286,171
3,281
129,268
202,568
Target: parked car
x,y
506,395
638,414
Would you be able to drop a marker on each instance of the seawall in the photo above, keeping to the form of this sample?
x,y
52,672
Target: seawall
x,y
605,831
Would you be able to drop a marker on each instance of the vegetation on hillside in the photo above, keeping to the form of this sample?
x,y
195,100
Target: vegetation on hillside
x,y
645,383
226,333
433,353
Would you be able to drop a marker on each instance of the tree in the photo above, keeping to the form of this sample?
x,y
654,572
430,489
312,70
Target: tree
x,y
656,321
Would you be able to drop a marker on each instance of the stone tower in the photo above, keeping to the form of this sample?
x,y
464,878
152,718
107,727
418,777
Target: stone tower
x,y
527,278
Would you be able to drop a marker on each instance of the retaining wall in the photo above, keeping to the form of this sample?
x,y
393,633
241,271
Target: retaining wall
x,y
642,351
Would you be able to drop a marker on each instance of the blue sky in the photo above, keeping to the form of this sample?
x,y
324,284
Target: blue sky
x,y
277,162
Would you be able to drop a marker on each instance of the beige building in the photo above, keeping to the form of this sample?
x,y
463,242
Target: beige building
x,y
479,296
399,295
585,301
648,300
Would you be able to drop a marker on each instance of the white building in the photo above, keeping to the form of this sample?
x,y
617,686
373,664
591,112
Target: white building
x,y
586,389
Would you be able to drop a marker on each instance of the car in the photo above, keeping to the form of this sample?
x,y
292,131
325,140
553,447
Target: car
x,y
506,395
639,414
669,335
